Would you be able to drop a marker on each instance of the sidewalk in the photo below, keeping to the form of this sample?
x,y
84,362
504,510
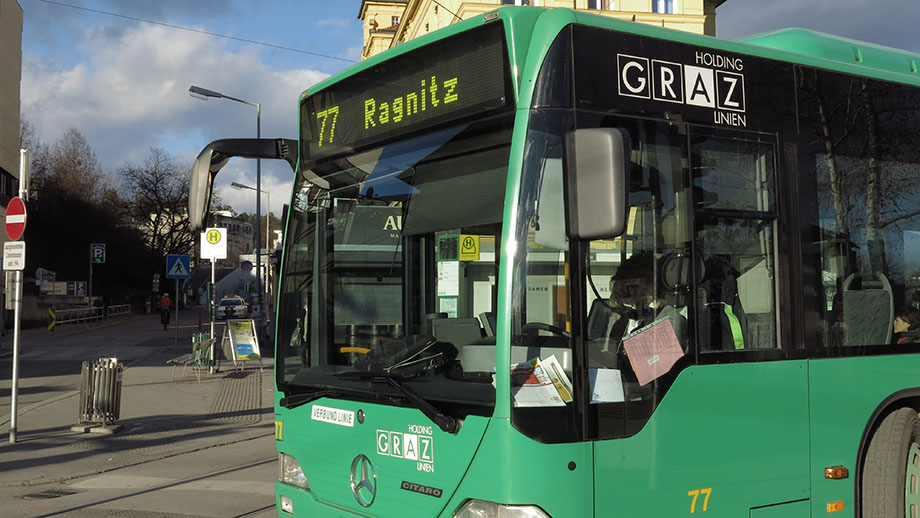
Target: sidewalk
x,y
161,418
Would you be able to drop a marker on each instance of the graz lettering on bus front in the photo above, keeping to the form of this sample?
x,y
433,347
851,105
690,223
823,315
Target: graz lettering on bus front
x,y
415,445
713,81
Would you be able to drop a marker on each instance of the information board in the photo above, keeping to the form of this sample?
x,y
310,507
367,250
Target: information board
x,y
244,344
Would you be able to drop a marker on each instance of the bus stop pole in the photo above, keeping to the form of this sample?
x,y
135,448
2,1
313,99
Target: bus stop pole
x,y
211,313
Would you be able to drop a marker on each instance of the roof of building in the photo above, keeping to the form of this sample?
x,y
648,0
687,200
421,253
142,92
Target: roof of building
x,y
362,9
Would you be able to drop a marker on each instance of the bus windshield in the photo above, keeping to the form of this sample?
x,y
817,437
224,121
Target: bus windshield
x,y
386,250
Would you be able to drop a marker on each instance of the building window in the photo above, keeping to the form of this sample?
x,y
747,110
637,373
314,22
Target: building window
x,y
520,2
602,5
663,6
395,20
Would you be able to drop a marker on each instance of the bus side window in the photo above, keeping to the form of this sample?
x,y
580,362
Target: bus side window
x,y
868,309
735,212
722,321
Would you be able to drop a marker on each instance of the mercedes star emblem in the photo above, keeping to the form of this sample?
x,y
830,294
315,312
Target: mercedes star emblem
x,y
363,480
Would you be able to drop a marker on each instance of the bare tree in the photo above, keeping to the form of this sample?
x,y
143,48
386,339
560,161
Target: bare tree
x,y
866,169
158,203
67,168
72,206
27,137
38,152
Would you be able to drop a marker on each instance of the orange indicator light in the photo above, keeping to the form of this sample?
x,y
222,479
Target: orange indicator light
x,y
836,472
833,507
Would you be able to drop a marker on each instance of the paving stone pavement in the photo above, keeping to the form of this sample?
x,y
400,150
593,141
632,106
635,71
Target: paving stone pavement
x,y
161,417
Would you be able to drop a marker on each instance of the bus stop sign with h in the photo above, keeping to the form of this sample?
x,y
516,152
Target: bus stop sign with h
x,y
213,247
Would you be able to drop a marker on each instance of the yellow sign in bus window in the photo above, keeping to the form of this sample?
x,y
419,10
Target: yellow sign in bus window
x,y
469,248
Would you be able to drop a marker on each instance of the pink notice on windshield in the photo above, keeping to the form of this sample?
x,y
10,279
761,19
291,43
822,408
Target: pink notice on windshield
x,y
653,350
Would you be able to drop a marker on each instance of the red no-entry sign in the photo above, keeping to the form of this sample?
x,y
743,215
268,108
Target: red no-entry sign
x,y
15,218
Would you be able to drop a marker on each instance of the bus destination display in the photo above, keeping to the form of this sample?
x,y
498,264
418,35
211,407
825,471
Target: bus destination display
x,y
445,81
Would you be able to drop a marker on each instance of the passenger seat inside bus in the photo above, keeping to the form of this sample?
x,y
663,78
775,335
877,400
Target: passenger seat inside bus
x,y
868,309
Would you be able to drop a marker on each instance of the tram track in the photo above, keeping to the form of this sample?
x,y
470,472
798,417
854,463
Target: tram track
x,y
254,512
167,485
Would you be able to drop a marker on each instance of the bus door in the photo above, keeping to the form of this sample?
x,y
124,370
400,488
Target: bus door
x,y
724,430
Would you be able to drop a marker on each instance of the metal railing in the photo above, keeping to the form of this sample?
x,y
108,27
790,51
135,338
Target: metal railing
x,y
78,317
119,311
75,319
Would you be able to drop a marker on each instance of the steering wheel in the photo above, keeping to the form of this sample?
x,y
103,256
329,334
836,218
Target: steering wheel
x,y
531,329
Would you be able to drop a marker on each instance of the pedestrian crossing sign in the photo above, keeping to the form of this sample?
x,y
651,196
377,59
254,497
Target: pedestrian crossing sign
x,y
178,266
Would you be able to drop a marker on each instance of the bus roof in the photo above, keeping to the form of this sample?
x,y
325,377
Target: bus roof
x,y
842,50
795,45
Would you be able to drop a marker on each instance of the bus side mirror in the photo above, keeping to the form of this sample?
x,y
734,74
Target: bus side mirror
x,y
216,155
598,180
201,184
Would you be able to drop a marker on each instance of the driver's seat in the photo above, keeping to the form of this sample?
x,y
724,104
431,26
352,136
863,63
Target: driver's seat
x,y
606,326
457,331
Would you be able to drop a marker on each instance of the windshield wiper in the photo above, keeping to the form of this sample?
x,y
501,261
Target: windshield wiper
x,y
301,399
445,422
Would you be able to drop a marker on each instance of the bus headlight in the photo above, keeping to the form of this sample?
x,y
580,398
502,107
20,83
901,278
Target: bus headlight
x,y
291,473
484,509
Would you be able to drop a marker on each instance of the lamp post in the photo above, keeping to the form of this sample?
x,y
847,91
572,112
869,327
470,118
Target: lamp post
x,y
268,211
203,94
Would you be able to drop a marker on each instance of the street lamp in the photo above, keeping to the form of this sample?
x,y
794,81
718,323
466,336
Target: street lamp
x,y
203,94
268,211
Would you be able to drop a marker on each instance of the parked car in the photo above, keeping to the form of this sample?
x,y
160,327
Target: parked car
x,y
232,306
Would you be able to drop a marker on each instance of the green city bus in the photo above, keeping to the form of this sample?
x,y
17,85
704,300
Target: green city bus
x,y
543,263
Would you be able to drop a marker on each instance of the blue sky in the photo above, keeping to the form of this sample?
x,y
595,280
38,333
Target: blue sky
x,y
123,83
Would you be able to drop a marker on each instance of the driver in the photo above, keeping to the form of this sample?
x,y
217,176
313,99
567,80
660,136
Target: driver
x,y
633,298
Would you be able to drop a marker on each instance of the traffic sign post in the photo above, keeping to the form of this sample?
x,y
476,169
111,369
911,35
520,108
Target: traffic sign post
x,y
97,253
14,256
15,219
177,267
15,228
96,256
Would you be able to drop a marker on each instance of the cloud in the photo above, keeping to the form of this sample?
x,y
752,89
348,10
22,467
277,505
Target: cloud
x,y
171,8
129,92
334,22
244,200
884,22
